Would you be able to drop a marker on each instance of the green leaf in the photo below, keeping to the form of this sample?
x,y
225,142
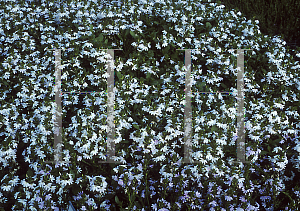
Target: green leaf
x,y
138,204
109,196
151,54
121,38
5,83
153,34
136,126
132,34
288,195
119,75
264,153
148,76
214,128
224,86
117,200
201,86
167,48
155,82
208,25
132,197
100,38
29,173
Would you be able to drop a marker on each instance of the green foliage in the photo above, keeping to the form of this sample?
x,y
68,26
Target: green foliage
x,y
202,86
272,16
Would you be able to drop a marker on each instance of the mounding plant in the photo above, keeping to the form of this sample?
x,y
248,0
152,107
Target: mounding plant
x,y
149,108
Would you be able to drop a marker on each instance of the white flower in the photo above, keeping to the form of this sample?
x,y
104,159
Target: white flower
x,y
241,180
209,156
89,45
6,188
297,148
221,142
256,138
168,137
14,181
78,180
291,131
160,158
64,183
276,149
153,148
170,130
294,96
281,164
278,105
60,191
164,44
23,201
156,113
211,122
205,141
6,75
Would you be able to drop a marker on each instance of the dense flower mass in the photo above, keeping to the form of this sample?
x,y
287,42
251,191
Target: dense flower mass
x,y
149,88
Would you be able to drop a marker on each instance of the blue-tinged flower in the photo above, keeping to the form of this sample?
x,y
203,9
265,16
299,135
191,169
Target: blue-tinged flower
x,y
228,198
6,75
83,208
152,194
213,203
6,188
23,201
154,206
264,198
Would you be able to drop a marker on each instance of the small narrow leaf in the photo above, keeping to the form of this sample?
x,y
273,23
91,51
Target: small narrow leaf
x,y
132,34
117,199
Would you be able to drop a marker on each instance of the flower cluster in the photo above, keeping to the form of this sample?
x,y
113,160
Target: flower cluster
x,y
149,108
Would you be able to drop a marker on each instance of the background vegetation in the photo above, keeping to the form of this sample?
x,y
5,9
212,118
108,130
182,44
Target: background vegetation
x,y
276,17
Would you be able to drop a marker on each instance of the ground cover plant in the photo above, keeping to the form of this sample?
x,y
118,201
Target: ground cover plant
x,y
149,108
272,16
